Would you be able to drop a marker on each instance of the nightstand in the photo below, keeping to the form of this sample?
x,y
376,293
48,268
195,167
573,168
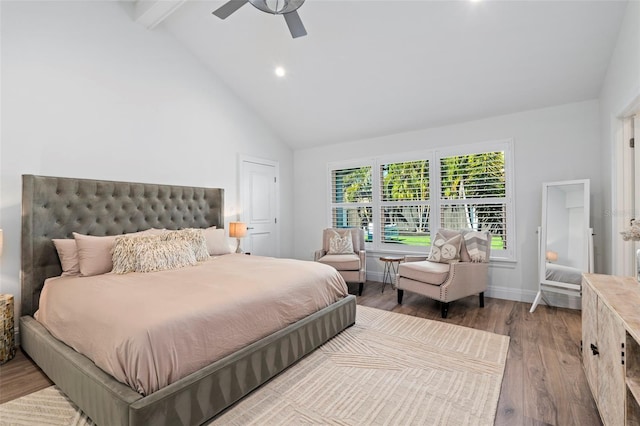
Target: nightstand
x,y
7,337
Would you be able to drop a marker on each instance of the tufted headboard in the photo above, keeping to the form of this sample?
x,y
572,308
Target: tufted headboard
x,y
54,207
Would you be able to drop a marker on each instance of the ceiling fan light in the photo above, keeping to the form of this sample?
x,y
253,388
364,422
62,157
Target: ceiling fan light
x,y
277,7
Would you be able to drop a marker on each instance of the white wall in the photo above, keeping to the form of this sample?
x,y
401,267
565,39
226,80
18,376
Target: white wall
x,y
551,144
620,90
88,93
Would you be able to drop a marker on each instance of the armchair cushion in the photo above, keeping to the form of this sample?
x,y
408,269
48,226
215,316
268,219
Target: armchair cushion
x,y
356,234
446,249
342,262
478,245
341,243
434,273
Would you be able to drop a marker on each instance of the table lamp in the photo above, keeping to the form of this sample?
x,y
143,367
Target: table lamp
x,y
552,256
237,230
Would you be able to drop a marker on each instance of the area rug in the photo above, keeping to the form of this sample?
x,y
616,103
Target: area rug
x,y
387,369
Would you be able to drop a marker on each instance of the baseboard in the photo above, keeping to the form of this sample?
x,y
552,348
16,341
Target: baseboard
x,y
515,294
507,293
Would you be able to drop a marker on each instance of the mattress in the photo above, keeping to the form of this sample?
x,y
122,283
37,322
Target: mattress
x,y
149,330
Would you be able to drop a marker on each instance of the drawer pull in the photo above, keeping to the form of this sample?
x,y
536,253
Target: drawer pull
x,y
594,349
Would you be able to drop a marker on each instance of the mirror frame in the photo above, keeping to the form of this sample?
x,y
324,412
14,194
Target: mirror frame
x,y
586,255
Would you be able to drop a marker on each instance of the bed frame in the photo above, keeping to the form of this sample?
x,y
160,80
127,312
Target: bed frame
x,y
54,207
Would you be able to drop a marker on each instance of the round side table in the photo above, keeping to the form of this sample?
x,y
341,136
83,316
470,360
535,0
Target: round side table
x,y
390,270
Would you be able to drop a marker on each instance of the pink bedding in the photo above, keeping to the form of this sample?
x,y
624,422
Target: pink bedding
x,y
149,330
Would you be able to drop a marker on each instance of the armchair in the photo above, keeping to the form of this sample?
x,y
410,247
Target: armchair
x,y
351,265
447,282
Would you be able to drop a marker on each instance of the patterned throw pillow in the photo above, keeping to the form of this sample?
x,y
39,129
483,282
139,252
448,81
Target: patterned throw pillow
x,y
478,245
445,250
124,251
157,255
196,239
341,243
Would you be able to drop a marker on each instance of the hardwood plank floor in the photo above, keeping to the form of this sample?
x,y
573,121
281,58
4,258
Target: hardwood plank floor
x,y
543,384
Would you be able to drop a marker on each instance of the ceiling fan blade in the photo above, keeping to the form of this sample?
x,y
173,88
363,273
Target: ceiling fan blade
x,y
228,8
295,24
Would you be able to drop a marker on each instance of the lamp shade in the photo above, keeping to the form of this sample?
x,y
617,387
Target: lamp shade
x,y
552,256
237,229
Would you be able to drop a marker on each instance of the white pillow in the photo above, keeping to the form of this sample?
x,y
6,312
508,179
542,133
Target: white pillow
x,y
217,242
445,249
341,243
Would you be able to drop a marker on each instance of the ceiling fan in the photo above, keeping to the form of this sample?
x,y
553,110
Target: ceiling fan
x,y
286,8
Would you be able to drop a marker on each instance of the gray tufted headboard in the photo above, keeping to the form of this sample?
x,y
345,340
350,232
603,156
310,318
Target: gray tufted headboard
x,y
54,207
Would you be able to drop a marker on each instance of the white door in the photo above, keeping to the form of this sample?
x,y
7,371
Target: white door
x,y
259,183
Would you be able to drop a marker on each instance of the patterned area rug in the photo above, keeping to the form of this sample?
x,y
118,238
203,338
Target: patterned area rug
x,y
387,369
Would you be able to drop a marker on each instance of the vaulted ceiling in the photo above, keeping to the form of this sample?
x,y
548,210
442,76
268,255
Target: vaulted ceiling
x,y
371,68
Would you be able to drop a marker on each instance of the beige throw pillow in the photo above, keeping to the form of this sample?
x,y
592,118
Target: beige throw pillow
x,y
445,250
68,254
195,237
124,256
217,242
94,254
154,254
478,245
341,243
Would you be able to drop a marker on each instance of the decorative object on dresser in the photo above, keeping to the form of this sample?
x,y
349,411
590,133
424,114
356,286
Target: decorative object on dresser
x,y
565,240
633,234
611,346
343,248
7,339
457,267
238,230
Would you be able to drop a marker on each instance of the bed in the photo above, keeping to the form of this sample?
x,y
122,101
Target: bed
x,y
55,207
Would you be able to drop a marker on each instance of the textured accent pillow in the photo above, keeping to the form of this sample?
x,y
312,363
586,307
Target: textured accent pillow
x,y
68,254
445,250
94,254
154,254
195,237
478,245
124,256
217,242
341,243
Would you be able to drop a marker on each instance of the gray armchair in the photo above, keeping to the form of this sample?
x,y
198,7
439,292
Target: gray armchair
x,y
446,282
352,266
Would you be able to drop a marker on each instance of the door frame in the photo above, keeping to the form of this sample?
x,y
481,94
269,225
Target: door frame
x,y
624,194
242,161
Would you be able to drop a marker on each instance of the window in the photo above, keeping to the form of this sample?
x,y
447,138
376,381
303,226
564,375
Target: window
x,y
473,194
400,201
405,203
351,199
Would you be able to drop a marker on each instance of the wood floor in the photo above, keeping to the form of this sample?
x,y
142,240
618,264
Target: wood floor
x,y
544,383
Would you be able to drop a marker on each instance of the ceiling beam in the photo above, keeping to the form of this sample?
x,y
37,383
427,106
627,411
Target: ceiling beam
x,y
152,12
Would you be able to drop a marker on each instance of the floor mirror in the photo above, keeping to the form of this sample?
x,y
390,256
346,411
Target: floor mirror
x,y
565,239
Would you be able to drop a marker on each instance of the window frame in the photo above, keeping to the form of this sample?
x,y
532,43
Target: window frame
x,y
435,202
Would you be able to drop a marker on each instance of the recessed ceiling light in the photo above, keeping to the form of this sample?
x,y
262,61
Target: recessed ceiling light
x,y
280,71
